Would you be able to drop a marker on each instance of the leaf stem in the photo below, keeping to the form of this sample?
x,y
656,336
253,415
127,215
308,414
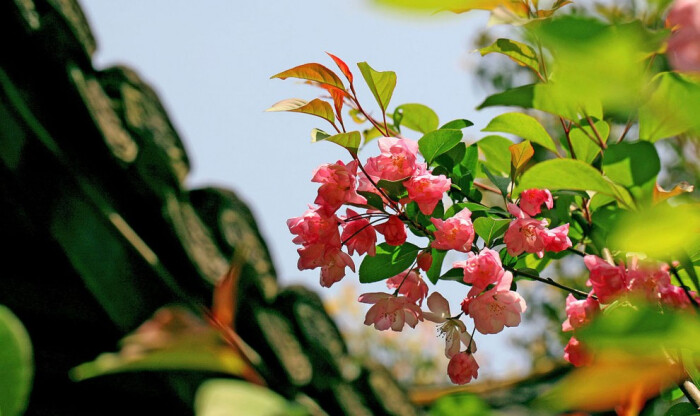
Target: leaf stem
x,y
567,131
370,119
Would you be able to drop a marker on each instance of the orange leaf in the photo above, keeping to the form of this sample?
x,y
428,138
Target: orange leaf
x,y
342,65
520,154
315,107
312,72
660,194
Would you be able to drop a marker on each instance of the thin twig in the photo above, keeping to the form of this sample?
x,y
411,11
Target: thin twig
x,y
550,282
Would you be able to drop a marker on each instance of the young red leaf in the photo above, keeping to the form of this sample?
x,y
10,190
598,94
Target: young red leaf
x,y
316,107
342,65
520,154
313,72
338,99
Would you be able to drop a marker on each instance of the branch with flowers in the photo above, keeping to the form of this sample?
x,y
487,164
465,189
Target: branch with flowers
x,y
511,209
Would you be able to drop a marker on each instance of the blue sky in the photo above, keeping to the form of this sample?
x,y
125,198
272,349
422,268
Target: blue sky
x,y
210,61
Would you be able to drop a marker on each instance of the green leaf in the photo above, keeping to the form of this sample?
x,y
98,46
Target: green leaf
x,y
558,174
500,182
237,397
373,200
520,154
634,166
350,140
380,83
312,72
495,151
436,267
314,107
489,229
519,52
522,96
524,126
16,363
682,409
394,189
662,116
458,124
437,142
388,262
660,231
587,150
417,117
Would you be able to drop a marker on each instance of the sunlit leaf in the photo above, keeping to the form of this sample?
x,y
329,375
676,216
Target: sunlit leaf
x,y
519,52
524,126
672,108
316,107
218,397
438,142
458,124
489,229
342,66
418,117
584,141
380,83
658,231
350,140
496,153
520,154
312,72
457,6
388,262
634,166
16,363
436,267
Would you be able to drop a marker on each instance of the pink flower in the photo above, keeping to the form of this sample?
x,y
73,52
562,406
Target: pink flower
x,y
410,285
427,190
359,235
454,330
338,186
390,311
525,234
315,226
608,281
497,307
481,270
576,353
394,231
397,160
684,44
333,266
462,368
456,233
676,297
557,239
579,312
531,201
648,281
425,260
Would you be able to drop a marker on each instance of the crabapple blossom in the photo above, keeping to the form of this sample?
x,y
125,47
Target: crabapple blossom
x,y
397,160
579,312
557,239
684,44
648,281
497,307
338,185
425,260
531,201
462,368
427,190
315,226
454,330
576,353
359,235
409,284
394,231
525,234
390,311
481,270
455,233
333,266
608,281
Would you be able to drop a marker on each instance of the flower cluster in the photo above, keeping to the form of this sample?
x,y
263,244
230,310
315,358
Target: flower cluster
x,y
317,229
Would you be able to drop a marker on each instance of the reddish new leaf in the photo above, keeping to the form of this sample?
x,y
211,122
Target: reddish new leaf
x,y
316,107
520,154
342,65
313,72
